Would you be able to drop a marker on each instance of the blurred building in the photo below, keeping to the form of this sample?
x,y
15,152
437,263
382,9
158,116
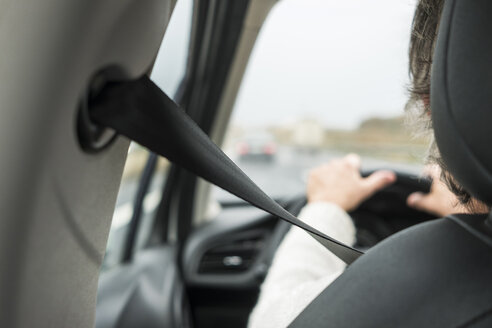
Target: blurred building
x,y
308,134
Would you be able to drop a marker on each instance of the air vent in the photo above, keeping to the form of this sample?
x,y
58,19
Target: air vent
x,y
235,256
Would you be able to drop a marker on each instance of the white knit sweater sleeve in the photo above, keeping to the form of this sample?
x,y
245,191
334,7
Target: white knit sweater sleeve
x,y
302,268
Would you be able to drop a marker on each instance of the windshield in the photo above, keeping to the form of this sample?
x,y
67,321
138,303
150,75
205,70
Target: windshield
x,y
326,78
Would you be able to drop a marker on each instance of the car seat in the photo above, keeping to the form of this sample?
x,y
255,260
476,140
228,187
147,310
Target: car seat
x,y
436,274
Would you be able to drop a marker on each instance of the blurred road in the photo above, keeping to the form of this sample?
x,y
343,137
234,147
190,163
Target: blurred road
x,y
286,175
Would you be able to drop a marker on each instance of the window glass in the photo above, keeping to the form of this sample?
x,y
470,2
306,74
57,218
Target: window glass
x,y
134,166
170,65
169,70
326,77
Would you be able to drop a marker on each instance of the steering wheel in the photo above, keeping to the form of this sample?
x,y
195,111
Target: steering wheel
x,y
386,212
383,214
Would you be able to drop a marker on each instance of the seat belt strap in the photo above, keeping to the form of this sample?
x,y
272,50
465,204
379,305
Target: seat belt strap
x,y
142,112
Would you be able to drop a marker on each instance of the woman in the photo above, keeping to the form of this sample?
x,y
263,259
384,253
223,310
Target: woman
x,y
337,188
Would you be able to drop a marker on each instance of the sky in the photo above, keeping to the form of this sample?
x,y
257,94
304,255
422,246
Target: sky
x,y
338,61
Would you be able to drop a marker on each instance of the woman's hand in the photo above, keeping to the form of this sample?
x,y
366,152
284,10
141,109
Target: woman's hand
x,y
440,201
340,182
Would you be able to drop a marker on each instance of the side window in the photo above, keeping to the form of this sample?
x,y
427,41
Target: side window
x,y
170,65
169,70
326,77
134,166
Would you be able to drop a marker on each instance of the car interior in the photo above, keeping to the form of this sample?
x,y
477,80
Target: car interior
x,y
100,229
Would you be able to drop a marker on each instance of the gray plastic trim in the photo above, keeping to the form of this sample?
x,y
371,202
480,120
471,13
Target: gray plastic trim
x,y
56,200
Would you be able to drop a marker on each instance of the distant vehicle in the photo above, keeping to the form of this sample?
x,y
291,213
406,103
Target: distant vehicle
x,y
260,146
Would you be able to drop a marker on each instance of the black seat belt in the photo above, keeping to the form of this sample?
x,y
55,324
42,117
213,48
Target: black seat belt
x,y
141,111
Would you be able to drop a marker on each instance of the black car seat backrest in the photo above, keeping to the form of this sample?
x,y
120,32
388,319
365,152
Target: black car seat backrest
x,y
461,94
435,274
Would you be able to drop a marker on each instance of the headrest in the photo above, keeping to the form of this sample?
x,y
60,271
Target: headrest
x,y
461,94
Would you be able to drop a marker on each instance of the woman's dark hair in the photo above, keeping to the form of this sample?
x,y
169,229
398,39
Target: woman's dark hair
x,y
422,42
